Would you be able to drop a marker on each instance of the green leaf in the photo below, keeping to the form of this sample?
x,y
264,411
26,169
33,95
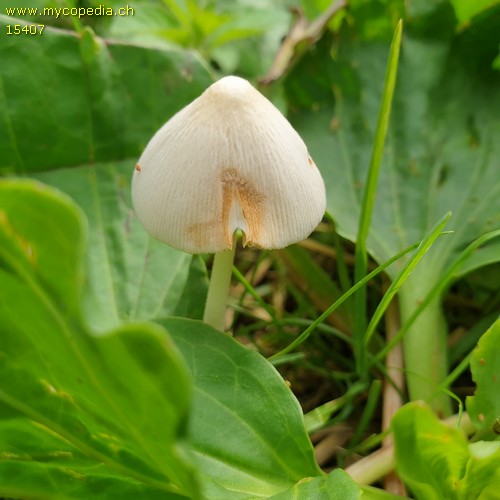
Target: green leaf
x,y
240,37
191,303
415,258
315,283
85,100
419,8
50,468
481,258
441,155
130,276
418,166
157,24
496,62
120,400
437,462
465,9
26,221
429,455
316,419
69,100
335,486
322,317
376,20
371,493
483,475
368,201
247,430
484,406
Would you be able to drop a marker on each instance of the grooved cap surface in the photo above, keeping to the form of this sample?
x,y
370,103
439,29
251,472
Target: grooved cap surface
x,y
229,160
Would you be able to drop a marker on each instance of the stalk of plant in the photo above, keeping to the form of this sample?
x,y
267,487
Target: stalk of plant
x,y
218,290
228,163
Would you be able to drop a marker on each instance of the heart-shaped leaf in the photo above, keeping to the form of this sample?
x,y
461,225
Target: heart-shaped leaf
x,y
120,400
247,429
113,409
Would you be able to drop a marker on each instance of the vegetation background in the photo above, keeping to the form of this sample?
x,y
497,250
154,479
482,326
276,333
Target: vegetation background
x,y
79,102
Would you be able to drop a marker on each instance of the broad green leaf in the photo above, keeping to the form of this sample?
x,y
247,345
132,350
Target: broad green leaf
x,y
484,406
26,223
441,155
429,455
121,400
130,276
87,100
191,303
247,430
36,463
335,486
423,174
68,100
437,462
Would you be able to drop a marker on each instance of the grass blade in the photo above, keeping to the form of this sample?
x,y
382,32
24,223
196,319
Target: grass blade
x,y
405,272
361,255
305,334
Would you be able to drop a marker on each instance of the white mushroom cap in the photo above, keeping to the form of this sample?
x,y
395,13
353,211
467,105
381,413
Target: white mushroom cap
x,y
229,160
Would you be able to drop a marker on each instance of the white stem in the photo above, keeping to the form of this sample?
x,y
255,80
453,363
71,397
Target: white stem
x,y
218,289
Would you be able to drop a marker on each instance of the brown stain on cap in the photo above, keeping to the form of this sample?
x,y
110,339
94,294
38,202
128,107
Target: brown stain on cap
x,y
236,188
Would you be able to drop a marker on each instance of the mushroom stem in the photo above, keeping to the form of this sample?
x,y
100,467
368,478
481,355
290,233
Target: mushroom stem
x,y
218,289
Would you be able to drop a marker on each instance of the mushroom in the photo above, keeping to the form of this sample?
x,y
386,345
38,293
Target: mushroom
x,y
228,162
